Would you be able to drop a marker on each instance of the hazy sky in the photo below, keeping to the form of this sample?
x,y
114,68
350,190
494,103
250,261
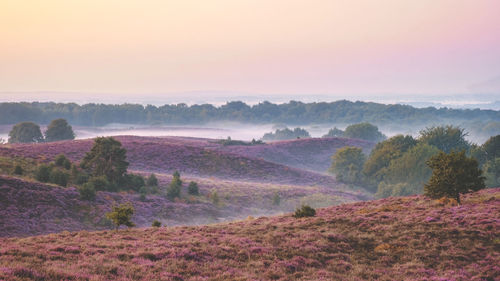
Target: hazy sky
x,y
360,47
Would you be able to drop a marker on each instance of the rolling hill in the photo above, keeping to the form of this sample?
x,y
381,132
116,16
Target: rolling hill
x,y
406,238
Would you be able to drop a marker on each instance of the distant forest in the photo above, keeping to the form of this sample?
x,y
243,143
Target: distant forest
x,y
293,112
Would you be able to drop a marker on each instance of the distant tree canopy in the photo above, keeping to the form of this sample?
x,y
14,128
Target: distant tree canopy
x,y
445,138
25,132
364,131
453,174
106,158
293,112
286,134
335,132
59,129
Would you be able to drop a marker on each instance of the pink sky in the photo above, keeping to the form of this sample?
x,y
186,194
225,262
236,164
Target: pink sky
x,y
362,47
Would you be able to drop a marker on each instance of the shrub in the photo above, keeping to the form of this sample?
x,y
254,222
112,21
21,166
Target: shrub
x,y
174,189
452,175
62,161
156,223
121,215
152,180
18,170
87,191
100,183
276,199
42,172
59,177
131,182
215,197
193,188
287,134
347,164
25,132
59,129
335,132
304,211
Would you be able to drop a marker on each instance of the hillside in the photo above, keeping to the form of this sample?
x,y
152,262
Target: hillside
x,y
31,208
408,238
203,157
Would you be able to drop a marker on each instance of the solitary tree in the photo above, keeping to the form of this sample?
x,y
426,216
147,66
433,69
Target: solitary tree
x,y
25,132
106,158
174,189
152,180
193,188
121,215
59,129
452,175
364,131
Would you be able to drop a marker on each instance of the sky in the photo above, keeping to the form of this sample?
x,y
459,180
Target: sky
x,y
126,49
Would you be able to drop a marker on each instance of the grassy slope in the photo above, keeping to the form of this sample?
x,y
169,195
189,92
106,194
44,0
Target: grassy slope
x,y
409,238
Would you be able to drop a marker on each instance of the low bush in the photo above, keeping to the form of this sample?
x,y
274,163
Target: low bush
x,y
304,211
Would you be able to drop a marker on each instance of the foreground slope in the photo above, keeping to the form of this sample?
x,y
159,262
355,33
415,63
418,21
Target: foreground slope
x,y
408,238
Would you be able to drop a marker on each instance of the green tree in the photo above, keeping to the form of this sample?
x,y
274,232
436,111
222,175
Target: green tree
x,y
453,174
446,138
122,215
42,172
87,191
59,129
18,170
106,158
375,167
193,188
152,180
335,132
492,172
62,161
492,147
156,223
174,189
59,177
364,131
25,132
407,174
347,164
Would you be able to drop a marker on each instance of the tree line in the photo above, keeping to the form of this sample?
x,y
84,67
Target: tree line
x,y
293,112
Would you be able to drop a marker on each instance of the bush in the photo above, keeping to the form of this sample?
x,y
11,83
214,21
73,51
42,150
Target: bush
x,y
87,192
333,133
193,188
62,161
121,215
152,180
215,197
132,182
174,189
59,129
287,134
276,199
25,132
18,170
59,177
156,223
445,138
304,211
42,172
347,164
100,183
453,174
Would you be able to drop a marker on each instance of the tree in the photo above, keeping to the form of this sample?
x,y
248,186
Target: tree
x,y
453,174
364,131
446,138
25,132
276,199
42,172
87,191
407,174
62,161
335,132
59,129
174,189
156,223
492,147
193,188
347,164
121,215
492,172
152,180
18,170
106,158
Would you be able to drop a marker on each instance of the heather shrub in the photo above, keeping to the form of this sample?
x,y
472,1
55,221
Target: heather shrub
x,y
121,215
193,188
62,161
304,211
42,172
445,201
156,223
59,177
87,191
152,180
453,174
18,170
